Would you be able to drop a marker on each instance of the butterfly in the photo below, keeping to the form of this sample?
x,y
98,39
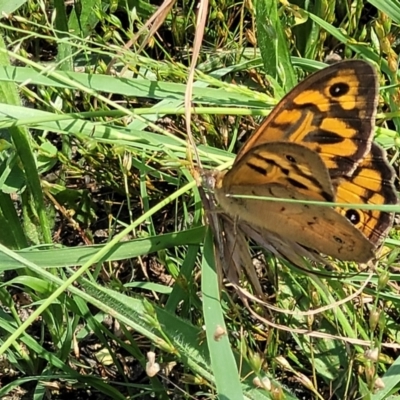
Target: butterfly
x,y
317,145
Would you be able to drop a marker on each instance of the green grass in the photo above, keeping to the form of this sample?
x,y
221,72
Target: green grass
x,y
102,218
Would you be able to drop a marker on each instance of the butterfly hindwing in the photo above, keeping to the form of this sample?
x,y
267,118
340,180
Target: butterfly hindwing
x,y
371,183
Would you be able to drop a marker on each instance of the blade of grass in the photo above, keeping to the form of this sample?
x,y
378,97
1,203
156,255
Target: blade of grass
x,y
391,381
222,360
389,7
21,141
273,44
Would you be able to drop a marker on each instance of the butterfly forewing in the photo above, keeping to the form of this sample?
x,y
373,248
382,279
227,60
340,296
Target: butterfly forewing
x,y
332,112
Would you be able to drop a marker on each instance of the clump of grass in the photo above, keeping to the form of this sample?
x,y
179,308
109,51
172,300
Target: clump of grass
x,y
104,254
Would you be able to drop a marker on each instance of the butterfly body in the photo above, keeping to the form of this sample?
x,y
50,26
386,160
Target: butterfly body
x,y
317,145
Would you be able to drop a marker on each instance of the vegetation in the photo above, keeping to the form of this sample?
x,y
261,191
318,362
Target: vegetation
x,y
109,288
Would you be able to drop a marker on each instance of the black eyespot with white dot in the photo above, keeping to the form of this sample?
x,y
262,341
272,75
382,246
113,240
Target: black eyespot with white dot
x,y
339,89
353,216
